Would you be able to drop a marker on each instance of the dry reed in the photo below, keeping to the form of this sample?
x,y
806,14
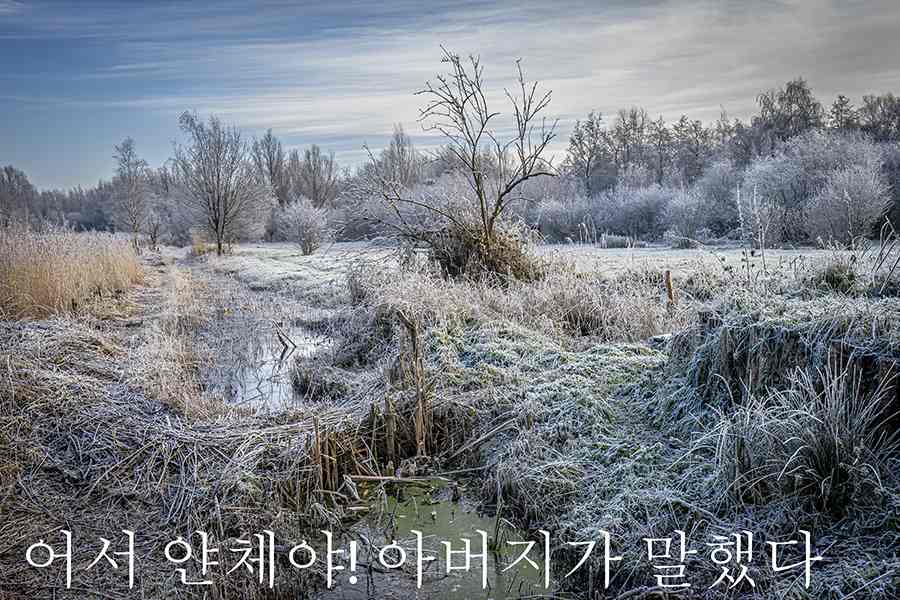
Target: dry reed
x,y
56,270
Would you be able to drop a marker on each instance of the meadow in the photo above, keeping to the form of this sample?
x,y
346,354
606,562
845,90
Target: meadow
x,y
636,391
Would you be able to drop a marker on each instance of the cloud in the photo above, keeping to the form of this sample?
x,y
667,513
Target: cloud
x,y
11,7
344,73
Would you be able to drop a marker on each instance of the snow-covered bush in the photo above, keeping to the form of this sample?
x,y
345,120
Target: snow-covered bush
x,y
305,225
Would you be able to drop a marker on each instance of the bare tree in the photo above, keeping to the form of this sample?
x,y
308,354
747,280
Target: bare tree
x,y
270,163
315,176
400,161
457,108
464,234
659,140
131,180
629,137
219,180
587,149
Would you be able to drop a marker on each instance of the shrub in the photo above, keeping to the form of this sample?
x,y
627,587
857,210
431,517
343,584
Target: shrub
x,y
568,219
199,244
715,192
685,216
850,205
305,225
461,249
611,240
56,269
636,212
679,242
773,200
838,275
788,181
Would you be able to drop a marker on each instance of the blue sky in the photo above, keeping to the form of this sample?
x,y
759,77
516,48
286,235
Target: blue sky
x,y
77,77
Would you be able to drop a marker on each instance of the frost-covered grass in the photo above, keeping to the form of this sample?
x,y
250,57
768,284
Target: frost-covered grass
x,y
319,278
568,404
682,261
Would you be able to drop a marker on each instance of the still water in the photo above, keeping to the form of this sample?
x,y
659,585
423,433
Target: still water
x,y
440,516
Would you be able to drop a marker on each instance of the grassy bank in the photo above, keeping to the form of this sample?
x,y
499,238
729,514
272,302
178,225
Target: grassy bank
x,y
564,401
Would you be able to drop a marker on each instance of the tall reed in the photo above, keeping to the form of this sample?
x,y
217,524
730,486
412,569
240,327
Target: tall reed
x,y
55,269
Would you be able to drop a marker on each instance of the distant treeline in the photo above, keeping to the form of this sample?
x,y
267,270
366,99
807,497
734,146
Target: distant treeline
x,y
801,171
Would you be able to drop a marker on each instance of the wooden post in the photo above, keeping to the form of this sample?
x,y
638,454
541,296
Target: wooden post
x,y
670,291
390,429
418,374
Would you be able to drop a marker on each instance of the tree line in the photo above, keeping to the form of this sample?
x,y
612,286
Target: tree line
x,y
803,170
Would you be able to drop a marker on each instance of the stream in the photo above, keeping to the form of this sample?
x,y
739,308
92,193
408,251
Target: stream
x,y
256,337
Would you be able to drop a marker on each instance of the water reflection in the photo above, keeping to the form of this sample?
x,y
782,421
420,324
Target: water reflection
x,y
251,366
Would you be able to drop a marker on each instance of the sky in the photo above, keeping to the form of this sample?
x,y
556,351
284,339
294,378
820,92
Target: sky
x,y
78,77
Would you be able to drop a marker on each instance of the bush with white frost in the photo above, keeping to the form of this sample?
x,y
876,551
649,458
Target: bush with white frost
x,y
637,212
850,205
305,225
715,191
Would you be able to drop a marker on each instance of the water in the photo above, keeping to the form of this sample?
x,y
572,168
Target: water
x,y
440,517
253,358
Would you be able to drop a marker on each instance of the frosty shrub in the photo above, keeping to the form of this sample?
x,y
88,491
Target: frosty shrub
x,y
716,192
305,225
685,217
567,219
850,205
773,199
637,212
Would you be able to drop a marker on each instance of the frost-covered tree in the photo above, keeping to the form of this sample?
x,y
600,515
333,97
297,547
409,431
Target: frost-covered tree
x,y
880,117
843,116
692,146
271,164
314,176
850,205
588,151
789,111
659,152
131,184
219,181
400,161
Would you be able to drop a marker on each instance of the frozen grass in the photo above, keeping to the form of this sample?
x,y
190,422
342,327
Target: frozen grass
x,y
548,391
575,427
823,439
318,279
56,270
102,427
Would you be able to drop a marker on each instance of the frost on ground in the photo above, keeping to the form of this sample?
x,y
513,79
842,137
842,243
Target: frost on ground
x,y
320,277
583,402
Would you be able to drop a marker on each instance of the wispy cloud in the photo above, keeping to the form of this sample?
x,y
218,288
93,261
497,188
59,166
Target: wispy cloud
x,y
10,7
342,73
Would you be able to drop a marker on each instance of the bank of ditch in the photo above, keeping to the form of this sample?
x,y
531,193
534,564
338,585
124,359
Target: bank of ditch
x,y
562,404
